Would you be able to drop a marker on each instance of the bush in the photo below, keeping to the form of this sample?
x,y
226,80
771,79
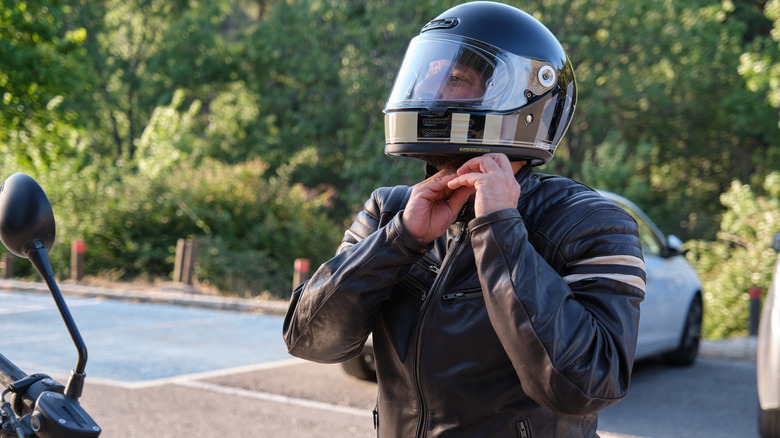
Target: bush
x,y
251,225
741,258
248,272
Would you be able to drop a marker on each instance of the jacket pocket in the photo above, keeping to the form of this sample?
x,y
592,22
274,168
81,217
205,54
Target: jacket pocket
x,y
420,278
414,286
463,294
523,428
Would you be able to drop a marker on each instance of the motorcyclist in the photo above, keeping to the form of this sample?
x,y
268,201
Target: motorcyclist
x,y
502,302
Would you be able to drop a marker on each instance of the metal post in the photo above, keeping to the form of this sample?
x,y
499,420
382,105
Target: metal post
x,y
7,265
190,254
184,267
179,262
755,309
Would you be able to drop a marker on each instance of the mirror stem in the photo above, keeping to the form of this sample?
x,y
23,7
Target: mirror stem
x,y
40,259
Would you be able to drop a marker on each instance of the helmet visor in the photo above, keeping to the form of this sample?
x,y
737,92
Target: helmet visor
x,y
449,72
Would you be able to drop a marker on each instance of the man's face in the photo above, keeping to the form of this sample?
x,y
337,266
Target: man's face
x,y
446,162
446,80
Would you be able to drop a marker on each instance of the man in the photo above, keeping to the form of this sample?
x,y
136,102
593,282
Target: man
x,y
502,302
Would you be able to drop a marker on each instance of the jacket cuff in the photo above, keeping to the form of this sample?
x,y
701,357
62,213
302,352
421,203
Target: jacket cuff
x,y
406,238
496,216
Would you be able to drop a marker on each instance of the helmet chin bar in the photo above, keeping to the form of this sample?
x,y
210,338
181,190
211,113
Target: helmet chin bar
x,y
520,135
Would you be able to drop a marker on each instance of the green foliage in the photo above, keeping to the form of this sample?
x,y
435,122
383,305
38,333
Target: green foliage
x,y
256,221
761,69
245,272
39,74
740,258
618,167
662,73
124,109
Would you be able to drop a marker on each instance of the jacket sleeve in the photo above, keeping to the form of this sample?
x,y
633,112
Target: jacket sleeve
x,y
570,332
331,315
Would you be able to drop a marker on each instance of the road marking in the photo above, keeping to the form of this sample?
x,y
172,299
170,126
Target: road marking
x,y
191,381
265,396
310,404
195,376
603,434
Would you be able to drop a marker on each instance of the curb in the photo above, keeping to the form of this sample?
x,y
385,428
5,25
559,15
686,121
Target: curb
x,y
741,348
179,295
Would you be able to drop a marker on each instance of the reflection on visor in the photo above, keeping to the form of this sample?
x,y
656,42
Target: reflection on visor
x,y
453,72
464,78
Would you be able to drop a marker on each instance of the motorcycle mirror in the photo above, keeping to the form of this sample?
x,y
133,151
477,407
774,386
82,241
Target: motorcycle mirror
x,y
27,230
26,216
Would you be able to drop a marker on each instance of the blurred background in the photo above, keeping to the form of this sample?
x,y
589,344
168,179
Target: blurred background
x,y
255,128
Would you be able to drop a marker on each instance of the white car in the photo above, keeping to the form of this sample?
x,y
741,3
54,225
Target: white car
x,y
671,314
768,357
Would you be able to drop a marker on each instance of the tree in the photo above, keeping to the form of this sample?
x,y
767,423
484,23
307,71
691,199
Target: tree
x,y
761,68
142,51
39,79
663,74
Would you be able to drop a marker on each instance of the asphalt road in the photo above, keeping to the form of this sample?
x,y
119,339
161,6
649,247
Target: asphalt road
x,y
171,371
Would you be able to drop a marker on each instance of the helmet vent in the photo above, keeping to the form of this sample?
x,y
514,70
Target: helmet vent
x,y
441,23
435,127
441,127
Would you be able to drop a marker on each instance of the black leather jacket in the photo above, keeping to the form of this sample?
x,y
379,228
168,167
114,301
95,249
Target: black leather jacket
x,y
519,323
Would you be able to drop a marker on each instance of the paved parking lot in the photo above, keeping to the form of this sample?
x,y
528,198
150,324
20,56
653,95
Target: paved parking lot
x,y
135,342
172,371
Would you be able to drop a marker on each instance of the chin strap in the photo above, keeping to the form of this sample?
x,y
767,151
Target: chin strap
x,y
430,170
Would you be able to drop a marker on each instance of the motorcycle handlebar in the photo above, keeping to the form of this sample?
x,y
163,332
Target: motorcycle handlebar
x,y
9,372
25,388
42,406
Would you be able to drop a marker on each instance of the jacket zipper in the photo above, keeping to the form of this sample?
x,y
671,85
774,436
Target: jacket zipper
x,y
418,285
441,273
462,295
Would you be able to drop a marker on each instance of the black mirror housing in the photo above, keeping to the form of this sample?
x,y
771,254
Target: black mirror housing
x,y
26,216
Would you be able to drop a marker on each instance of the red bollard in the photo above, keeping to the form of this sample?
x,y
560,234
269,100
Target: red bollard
x,y
301,272
77,248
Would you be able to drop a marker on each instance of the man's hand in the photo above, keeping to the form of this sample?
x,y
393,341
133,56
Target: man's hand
x,y
492,176
433,206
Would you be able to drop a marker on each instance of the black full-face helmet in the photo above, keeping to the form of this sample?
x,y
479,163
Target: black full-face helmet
x,y
481,77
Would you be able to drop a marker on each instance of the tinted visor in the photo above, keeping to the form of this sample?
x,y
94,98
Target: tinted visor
x,y
447,71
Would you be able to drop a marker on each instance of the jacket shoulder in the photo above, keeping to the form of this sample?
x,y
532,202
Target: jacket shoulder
x,y
554,195
570,220
383,204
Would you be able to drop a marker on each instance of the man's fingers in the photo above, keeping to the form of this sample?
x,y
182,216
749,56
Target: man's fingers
x,y
486,163
502,161
466,180
435,183
459,197
433,207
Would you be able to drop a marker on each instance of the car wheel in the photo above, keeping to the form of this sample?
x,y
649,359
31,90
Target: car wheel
x,y
686,352
769,423
361,367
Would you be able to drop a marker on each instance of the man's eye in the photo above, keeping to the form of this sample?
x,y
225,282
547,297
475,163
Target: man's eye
x,y
456,80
